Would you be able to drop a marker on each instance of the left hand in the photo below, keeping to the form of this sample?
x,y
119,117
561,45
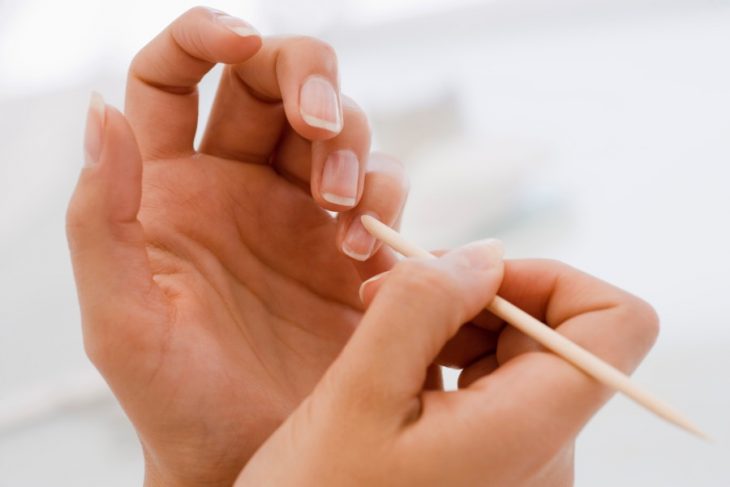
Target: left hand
x,y
213,289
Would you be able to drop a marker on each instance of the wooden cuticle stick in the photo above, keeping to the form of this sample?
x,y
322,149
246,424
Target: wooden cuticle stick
x,y
576,355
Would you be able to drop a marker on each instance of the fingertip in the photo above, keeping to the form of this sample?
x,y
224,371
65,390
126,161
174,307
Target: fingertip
x,y
482,255
333,202
337,182
97,104
236,25
383,199
369,288
118,181
320,107
339,202
479,270
94,132
357,242
232,40
339,166
108,190
323,129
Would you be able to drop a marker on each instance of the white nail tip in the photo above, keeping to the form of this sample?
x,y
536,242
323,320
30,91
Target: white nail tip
x,y
97,104
236,25
334,127
366,283
355,255
338,200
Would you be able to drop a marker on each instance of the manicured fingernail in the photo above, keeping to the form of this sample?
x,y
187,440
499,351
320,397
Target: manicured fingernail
x,y
339,178
319,104
358,242
365,284
94,129
236,25
483,254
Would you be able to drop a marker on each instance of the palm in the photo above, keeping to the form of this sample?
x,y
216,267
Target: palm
x,y
261,300
213,285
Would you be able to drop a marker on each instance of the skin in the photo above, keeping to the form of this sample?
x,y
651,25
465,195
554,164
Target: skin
x,y
513,420
213,287
215,292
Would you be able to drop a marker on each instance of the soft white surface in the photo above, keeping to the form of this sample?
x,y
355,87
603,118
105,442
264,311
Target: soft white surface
x,y
596,132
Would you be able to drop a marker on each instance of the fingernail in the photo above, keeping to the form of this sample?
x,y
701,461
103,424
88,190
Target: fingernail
x,y
339,178
365,284
319,104
236,25
358,242
94,129
483,254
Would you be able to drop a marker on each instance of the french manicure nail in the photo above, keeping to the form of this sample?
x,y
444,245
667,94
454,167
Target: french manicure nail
x,y
340,177
358,242
319,104
365,284
236,25
95,119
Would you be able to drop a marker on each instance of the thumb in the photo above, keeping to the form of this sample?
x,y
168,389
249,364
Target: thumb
x,y
418,306
106,240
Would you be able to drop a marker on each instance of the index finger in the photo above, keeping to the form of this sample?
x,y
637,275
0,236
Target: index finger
x,y
162,97
544,392
419,306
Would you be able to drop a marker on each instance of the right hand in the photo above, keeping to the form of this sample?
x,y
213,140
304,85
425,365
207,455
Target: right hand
x,y
518,409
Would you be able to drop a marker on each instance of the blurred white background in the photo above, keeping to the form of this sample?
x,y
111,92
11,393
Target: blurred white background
x,y
596,132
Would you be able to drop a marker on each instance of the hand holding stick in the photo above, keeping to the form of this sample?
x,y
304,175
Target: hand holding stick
x,y
549,338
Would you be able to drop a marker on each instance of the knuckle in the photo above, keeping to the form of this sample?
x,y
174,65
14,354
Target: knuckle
x,y
355,118
638,321
317,47
190,38
321,47
196,11
391,190
394,176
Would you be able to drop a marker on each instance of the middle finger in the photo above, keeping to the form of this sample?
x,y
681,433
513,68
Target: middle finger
x,y
291,79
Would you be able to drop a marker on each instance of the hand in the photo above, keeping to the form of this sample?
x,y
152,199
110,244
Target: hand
x,y
212,287
518,409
